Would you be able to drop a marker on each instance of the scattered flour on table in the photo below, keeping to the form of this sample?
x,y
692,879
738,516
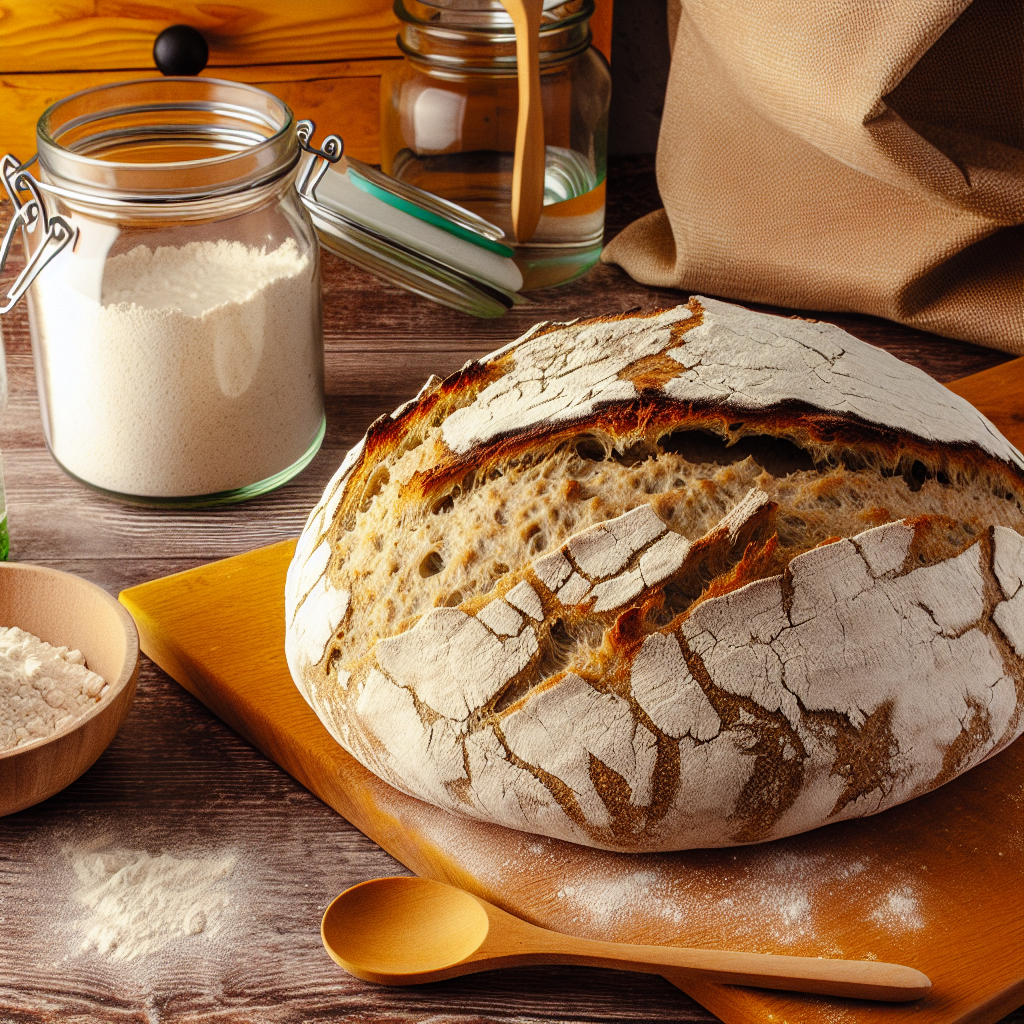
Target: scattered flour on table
x,y
139,903
42,688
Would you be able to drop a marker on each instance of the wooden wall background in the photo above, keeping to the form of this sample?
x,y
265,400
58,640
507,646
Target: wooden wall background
x,y
324,58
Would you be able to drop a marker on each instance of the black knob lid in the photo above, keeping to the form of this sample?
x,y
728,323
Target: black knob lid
x,y
180,50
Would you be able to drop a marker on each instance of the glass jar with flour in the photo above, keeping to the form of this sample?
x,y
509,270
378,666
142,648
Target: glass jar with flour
x,y
176,327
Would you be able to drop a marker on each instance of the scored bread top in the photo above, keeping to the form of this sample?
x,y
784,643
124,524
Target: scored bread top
x,y
690,578
732,357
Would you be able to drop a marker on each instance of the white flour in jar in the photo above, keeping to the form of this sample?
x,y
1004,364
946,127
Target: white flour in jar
x,y
42,688
183,370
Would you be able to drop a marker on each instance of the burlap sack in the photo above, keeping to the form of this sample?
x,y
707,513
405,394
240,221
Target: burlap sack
x,y
847,155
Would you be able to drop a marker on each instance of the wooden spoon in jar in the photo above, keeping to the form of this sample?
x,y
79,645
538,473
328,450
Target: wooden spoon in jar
x,y
528,170
405,931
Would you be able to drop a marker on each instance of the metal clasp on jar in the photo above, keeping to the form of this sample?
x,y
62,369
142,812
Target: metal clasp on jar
x,y
330,152
30,215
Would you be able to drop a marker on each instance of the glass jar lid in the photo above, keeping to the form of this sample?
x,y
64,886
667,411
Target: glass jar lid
x,y
412,238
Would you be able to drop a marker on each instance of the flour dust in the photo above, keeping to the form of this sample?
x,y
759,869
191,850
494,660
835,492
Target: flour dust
x,y
138,903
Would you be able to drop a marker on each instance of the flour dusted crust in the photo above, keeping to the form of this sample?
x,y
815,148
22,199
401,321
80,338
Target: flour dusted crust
x,y
697,577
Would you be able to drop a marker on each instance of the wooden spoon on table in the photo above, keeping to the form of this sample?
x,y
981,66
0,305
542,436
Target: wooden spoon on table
x,y
405,931
528,170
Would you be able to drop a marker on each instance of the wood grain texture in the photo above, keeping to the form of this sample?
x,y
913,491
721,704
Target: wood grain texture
x,y
1000,392
342,97
177,779
83,35
323,59
117,35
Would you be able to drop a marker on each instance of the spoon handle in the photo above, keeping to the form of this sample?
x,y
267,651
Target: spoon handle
x,y
528,169
859,979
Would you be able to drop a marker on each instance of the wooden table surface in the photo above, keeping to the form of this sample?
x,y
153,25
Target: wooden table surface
x,y
176,780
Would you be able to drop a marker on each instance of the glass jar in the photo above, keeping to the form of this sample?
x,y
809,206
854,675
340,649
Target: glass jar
x,y
177,336
449,112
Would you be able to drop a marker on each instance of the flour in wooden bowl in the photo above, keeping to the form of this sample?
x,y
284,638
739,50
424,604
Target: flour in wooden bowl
x,y
139,903
42,688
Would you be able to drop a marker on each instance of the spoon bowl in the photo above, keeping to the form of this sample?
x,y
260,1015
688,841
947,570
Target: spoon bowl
x,y
405,931
409,925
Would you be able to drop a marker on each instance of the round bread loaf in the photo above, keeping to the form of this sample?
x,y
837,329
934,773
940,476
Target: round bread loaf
x,y
696,577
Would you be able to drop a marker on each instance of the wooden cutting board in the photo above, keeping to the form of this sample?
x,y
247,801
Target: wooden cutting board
x,y
934,883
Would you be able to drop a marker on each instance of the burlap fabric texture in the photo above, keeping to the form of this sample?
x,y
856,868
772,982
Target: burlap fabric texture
x,y
846,155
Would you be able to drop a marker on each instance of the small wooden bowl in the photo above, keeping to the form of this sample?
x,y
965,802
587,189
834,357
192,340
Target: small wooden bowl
x,y
70,612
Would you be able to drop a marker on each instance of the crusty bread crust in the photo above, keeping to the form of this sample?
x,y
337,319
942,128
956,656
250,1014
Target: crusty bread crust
x,y
695,577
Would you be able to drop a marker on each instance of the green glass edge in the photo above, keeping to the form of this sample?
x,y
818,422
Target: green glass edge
x,y
425,215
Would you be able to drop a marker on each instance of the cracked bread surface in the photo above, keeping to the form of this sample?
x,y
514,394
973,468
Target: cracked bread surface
x,y
692,578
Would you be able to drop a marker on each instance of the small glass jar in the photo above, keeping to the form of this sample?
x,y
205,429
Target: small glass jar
x,y
449,112
177,336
